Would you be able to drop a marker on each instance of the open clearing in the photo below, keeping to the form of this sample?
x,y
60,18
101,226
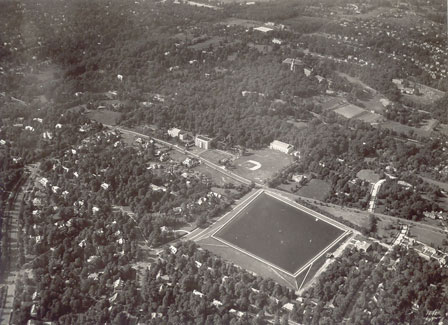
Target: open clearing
x,y
279,233
350,111
271,161
241,22
316,189
368,175
214,41
105,116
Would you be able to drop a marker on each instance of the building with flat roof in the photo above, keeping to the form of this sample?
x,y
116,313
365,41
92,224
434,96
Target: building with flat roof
x,y
281,146
202,141
263,29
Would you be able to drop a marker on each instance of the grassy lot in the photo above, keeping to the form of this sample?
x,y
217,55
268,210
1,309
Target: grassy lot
x,y
104,116
214,41
428,95
427,236
401,128
299,125
316,189
430,124
442,185
215,156
350,111
443,129
241,22
271,162
368,175
370,117
356,217
374,104
443,201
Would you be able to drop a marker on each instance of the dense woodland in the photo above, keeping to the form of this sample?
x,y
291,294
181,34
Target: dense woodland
x,y
362,289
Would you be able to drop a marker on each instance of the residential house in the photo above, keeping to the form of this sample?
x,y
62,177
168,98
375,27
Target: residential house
x,y
174,132
190,162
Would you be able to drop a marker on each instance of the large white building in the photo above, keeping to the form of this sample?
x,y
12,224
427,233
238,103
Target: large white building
x,y
281,146
202,142
263,29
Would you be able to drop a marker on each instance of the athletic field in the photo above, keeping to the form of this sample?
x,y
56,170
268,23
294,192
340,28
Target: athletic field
x,y
279,233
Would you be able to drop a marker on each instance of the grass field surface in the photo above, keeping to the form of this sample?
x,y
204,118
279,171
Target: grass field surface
x,y
105,116
271,162
350,111
278,233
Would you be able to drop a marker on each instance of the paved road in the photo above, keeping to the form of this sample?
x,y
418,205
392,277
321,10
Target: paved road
x,y
182,150
375,190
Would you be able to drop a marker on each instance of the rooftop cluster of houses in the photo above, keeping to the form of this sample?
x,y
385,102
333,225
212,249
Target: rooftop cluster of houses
x,y
253,309
432,62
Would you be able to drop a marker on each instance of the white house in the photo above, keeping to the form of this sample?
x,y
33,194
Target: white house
x,y
174,132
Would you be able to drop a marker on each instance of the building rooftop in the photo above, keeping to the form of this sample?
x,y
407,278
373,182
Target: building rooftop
x,y
203,137
280,144
263,29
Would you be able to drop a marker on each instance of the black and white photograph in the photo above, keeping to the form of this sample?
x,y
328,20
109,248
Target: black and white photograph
x,y
223,162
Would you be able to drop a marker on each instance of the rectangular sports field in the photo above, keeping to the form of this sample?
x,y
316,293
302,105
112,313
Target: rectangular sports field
x,y
279,233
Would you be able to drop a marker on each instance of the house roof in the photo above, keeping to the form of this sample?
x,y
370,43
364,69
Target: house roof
x,y
281,144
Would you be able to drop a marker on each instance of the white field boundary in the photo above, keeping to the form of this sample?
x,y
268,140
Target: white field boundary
x,y
297,206
241,207
256,163
259,259
200,235
309,211
322,252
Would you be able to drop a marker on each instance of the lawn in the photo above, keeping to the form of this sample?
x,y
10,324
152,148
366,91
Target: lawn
x,y
316,189
214,41
427,236
241,22
271,162
104,116
368,175
370,117
350,111
215,155
401,128
278,233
